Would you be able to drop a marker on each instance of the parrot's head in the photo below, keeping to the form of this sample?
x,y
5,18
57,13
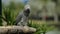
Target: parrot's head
x,y
27,9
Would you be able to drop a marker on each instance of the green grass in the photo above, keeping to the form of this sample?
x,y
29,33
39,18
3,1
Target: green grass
x,y
40,26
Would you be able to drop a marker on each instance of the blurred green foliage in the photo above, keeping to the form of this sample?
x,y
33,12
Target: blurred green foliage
x,y
10,12
41,28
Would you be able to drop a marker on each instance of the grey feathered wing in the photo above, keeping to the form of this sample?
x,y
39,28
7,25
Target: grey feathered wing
x,y
18,18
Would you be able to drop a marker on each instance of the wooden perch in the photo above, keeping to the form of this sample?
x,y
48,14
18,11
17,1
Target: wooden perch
x,y
15,29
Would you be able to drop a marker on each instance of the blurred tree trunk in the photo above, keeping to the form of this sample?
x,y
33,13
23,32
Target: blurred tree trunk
x,y
56,12
0,15
44,11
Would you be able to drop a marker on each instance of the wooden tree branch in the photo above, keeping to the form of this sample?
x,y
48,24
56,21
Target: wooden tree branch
x,y
15,29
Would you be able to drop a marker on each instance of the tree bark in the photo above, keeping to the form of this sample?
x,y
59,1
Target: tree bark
x,y
16,29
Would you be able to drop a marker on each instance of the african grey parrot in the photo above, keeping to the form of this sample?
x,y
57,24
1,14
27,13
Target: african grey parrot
x,y
22,18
